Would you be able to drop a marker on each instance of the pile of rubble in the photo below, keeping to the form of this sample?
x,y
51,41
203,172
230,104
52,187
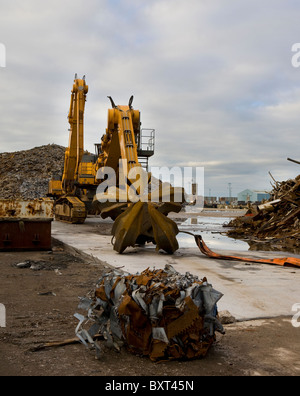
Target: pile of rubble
x,y
160,314
26,174
276,221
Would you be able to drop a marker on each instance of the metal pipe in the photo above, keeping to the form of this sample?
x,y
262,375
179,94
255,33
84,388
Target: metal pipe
x,y
296,162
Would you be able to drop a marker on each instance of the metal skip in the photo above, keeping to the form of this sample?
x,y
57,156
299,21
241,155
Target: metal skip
x,y
25,224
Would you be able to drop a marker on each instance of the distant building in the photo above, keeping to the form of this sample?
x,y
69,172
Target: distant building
x,y
253,196
227,200
210,202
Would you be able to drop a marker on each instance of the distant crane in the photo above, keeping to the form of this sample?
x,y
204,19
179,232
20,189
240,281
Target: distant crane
x,y
230,191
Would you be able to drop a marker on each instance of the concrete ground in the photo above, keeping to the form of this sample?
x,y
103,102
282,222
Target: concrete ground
x,y
250,291
40,303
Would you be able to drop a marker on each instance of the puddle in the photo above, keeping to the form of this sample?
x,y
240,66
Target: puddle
x,y
209,228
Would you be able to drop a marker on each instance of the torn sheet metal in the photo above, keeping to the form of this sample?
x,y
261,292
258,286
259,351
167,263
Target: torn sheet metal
x,y
158,313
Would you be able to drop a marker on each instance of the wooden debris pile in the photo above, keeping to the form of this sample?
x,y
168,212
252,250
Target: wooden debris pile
x,y
277,219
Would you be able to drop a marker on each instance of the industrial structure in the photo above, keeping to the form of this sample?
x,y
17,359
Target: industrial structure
x,y
253,196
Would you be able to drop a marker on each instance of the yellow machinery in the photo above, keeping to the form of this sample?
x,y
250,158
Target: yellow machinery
x,y
69,205
127,197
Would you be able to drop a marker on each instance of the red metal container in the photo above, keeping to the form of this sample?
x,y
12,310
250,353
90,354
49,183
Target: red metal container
x,y
25,225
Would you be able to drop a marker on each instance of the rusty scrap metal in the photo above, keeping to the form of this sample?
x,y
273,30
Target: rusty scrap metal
x,y
26,209
25,224
158,313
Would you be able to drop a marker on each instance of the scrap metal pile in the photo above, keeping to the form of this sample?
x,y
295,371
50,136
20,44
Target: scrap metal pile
x,y
159,313
276,220
26,174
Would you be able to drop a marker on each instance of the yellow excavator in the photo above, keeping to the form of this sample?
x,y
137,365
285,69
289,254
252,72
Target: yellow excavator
x,y
113,182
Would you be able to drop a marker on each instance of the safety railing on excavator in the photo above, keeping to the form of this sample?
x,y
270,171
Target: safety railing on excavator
x,y
146,142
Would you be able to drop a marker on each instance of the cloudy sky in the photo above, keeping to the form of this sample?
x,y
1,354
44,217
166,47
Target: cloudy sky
x,y
214,78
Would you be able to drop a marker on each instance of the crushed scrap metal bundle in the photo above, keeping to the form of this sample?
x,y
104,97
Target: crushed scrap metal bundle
x,y
160,313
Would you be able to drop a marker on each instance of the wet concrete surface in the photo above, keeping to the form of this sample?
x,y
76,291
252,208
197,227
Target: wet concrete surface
x,y
250,290
212,231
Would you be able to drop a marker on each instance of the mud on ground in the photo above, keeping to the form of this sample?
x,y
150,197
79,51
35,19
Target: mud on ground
x,y
42,298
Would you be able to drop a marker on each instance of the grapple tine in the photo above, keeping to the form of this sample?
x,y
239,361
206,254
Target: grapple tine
x,y
127,227
143,222
164,231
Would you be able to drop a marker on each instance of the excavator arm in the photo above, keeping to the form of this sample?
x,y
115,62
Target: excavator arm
x,y
135,222
119,145
75,150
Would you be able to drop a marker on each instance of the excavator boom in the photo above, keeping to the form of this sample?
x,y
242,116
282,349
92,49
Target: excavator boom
x,y
75,150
